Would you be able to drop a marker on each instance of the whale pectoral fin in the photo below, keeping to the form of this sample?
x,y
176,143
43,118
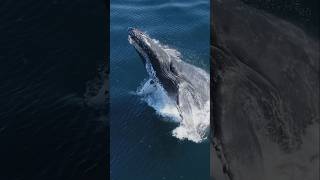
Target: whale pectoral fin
x,y
236,136
181,104
183,99
185,102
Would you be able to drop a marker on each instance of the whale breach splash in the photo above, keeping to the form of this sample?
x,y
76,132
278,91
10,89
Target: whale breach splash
x,y
188,102
193,126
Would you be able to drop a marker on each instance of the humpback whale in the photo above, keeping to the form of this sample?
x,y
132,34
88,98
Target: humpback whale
x,y
265,96
185,85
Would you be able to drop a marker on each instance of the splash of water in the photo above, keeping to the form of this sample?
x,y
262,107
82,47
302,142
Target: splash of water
x,y
194,126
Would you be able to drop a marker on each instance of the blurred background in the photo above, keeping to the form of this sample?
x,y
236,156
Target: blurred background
x,y
53,122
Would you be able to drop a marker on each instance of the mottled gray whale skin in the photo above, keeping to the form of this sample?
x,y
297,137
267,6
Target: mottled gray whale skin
x,y
179,78
265,96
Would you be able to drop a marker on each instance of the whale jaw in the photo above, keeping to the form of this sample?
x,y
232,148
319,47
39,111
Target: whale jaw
x,y
157,58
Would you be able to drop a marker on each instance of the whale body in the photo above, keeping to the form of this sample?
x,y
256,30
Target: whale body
x,y
265,96
185,85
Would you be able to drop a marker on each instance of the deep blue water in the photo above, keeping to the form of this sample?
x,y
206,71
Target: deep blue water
x,y
53,123
142,147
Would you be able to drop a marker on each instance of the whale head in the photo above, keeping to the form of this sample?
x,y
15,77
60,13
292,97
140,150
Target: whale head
x,y
159,60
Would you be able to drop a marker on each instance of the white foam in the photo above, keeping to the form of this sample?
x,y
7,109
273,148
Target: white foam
x,y
193,126
156,97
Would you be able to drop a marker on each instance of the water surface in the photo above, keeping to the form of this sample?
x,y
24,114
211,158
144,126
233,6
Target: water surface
x,y
142,145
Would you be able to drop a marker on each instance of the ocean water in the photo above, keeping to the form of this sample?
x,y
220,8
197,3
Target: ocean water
x,y
53,121
141,140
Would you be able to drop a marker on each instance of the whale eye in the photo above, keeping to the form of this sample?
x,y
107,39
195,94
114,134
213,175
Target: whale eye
x,y
173,69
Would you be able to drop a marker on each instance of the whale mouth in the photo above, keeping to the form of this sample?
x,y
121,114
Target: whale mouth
x,y
139,39
132,36
133,32
142,43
